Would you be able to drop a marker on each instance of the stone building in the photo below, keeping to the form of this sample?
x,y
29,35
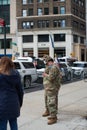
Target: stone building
x,y
49,27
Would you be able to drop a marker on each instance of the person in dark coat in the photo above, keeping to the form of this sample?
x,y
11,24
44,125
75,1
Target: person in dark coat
x,y
11,94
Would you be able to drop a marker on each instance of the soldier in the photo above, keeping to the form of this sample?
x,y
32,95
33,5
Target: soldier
x,y
45,82
51,82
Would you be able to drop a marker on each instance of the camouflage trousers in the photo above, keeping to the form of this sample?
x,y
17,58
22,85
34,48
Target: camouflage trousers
x,y
51,103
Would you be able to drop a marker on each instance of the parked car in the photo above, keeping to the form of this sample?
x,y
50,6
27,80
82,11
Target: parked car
x,y
27,72
40,66
66,71
79,68
68,60
38,63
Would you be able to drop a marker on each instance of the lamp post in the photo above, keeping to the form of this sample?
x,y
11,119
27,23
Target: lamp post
x,y
86,28
2,23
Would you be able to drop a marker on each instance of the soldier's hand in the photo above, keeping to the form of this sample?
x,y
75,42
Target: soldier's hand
x,y
45,74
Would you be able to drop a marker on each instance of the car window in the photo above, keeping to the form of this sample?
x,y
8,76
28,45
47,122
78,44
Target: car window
x,y
17,65
78,65
85,65
62,66
28,65
40,64
61,60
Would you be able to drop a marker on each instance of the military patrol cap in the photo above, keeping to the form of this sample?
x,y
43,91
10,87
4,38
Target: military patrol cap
x,y
47,58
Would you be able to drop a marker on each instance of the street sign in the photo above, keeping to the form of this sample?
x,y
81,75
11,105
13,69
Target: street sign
x,y
13,43
2,22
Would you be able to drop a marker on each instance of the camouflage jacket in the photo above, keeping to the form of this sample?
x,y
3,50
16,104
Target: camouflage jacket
x,y
45,79
52,80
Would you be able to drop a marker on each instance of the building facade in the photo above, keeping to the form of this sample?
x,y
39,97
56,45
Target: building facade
x,y
5,15
53,27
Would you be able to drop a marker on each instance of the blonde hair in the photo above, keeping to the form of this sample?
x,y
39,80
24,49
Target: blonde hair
x,y
6,65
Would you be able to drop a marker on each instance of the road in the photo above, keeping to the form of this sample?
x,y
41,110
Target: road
x,y
39,85
34,87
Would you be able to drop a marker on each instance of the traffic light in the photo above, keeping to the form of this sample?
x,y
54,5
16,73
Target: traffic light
x,y
2,22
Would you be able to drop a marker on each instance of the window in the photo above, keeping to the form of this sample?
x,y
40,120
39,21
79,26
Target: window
x,y
39,1
46,0
75,38
8,43
39,11
56,23
43,51
75,24
82,3
5,14
62,10
27,25
43,23
28,65
30,1
62,0
30,12
24,2
7,29
27,38
82,15
40,64
46,11
82,27
76,1
59,37
75,11
1,30
43,38
55,10
4,2
17,65
81,39
59,23
63,23
24,13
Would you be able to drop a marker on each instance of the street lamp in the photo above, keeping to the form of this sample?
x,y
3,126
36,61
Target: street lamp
x,y
2,23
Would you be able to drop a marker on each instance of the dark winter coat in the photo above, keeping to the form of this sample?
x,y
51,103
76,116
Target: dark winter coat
x,y
11,95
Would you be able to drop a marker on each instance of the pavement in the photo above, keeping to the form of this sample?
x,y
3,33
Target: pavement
x,y
72,106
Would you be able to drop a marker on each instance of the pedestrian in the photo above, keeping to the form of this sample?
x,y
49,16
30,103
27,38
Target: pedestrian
x,y
51,82
11,94
45,81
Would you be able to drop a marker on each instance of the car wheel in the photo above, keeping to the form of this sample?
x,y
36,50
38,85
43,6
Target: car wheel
x,y
85,77
27,82
82,75
69,76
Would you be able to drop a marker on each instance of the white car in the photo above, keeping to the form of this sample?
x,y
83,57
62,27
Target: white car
x,y
27,72
38,63
40,72
79,68
66,71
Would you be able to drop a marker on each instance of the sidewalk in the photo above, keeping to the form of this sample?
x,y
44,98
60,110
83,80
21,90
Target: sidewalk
x,y
72,109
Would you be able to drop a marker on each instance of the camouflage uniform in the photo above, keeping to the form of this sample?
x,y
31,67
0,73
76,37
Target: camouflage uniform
x,y
52,90
52,85
45,81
